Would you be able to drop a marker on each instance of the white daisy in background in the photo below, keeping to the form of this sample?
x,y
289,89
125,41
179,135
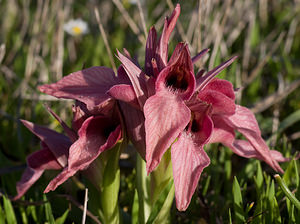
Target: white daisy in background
x,y
76,27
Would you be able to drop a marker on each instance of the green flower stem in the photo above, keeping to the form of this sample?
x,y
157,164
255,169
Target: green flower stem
x,y
110,186
143,190
286,191
156,191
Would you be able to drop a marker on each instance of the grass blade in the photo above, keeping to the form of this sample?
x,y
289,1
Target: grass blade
x,y
287,192
9,211
238,202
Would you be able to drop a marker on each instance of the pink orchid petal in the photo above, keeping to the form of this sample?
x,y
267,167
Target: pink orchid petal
x,y
124,93
29,177
37,162
245,122
199,55
96,135
188,161
225,134
222,132
59,179
135,126
162,48
88,86
80,114
222,86
57,143
71,134
150,51
202,128
134,60
245,149
244,119
137,78
221,104
202,81
166,115
181,58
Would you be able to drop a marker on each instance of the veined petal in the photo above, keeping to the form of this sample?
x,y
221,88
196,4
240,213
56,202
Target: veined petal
x,y
202,81
124,93
162,49
201,128
199,55
222,86
244,122
137,78
166,115
221,104
96,135
37,162
71,134
59,179
80,113
245,149
150,51
244,119
224,134
188,161
181,58
88,86
57,143
135,126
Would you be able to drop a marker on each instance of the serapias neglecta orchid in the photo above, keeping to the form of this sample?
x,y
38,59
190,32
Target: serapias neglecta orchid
x,y
53,155
90,135
185,112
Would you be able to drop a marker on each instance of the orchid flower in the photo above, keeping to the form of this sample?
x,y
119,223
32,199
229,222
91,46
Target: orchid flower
x,y
186,113
53,155
90,136
97,133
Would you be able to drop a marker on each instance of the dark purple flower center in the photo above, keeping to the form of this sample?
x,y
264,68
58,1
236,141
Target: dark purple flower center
x,y
177,79
108,130
195,126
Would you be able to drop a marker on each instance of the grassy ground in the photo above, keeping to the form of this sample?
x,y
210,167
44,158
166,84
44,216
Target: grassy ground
x,y
264,34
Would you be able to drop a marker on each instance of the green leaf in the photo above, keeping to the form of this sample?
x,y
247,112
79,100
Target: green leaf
x,y
32,210
254,35
23,215
290,174
161,209
135,209
2,216
287,191
48,211
296,172
206,185
62,219
274,215
276,212
229,216
238,202
258,179
9,211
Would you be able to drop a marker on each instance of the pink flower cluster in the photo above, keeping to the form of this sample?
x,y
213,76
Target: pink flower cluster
x,y
165,106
